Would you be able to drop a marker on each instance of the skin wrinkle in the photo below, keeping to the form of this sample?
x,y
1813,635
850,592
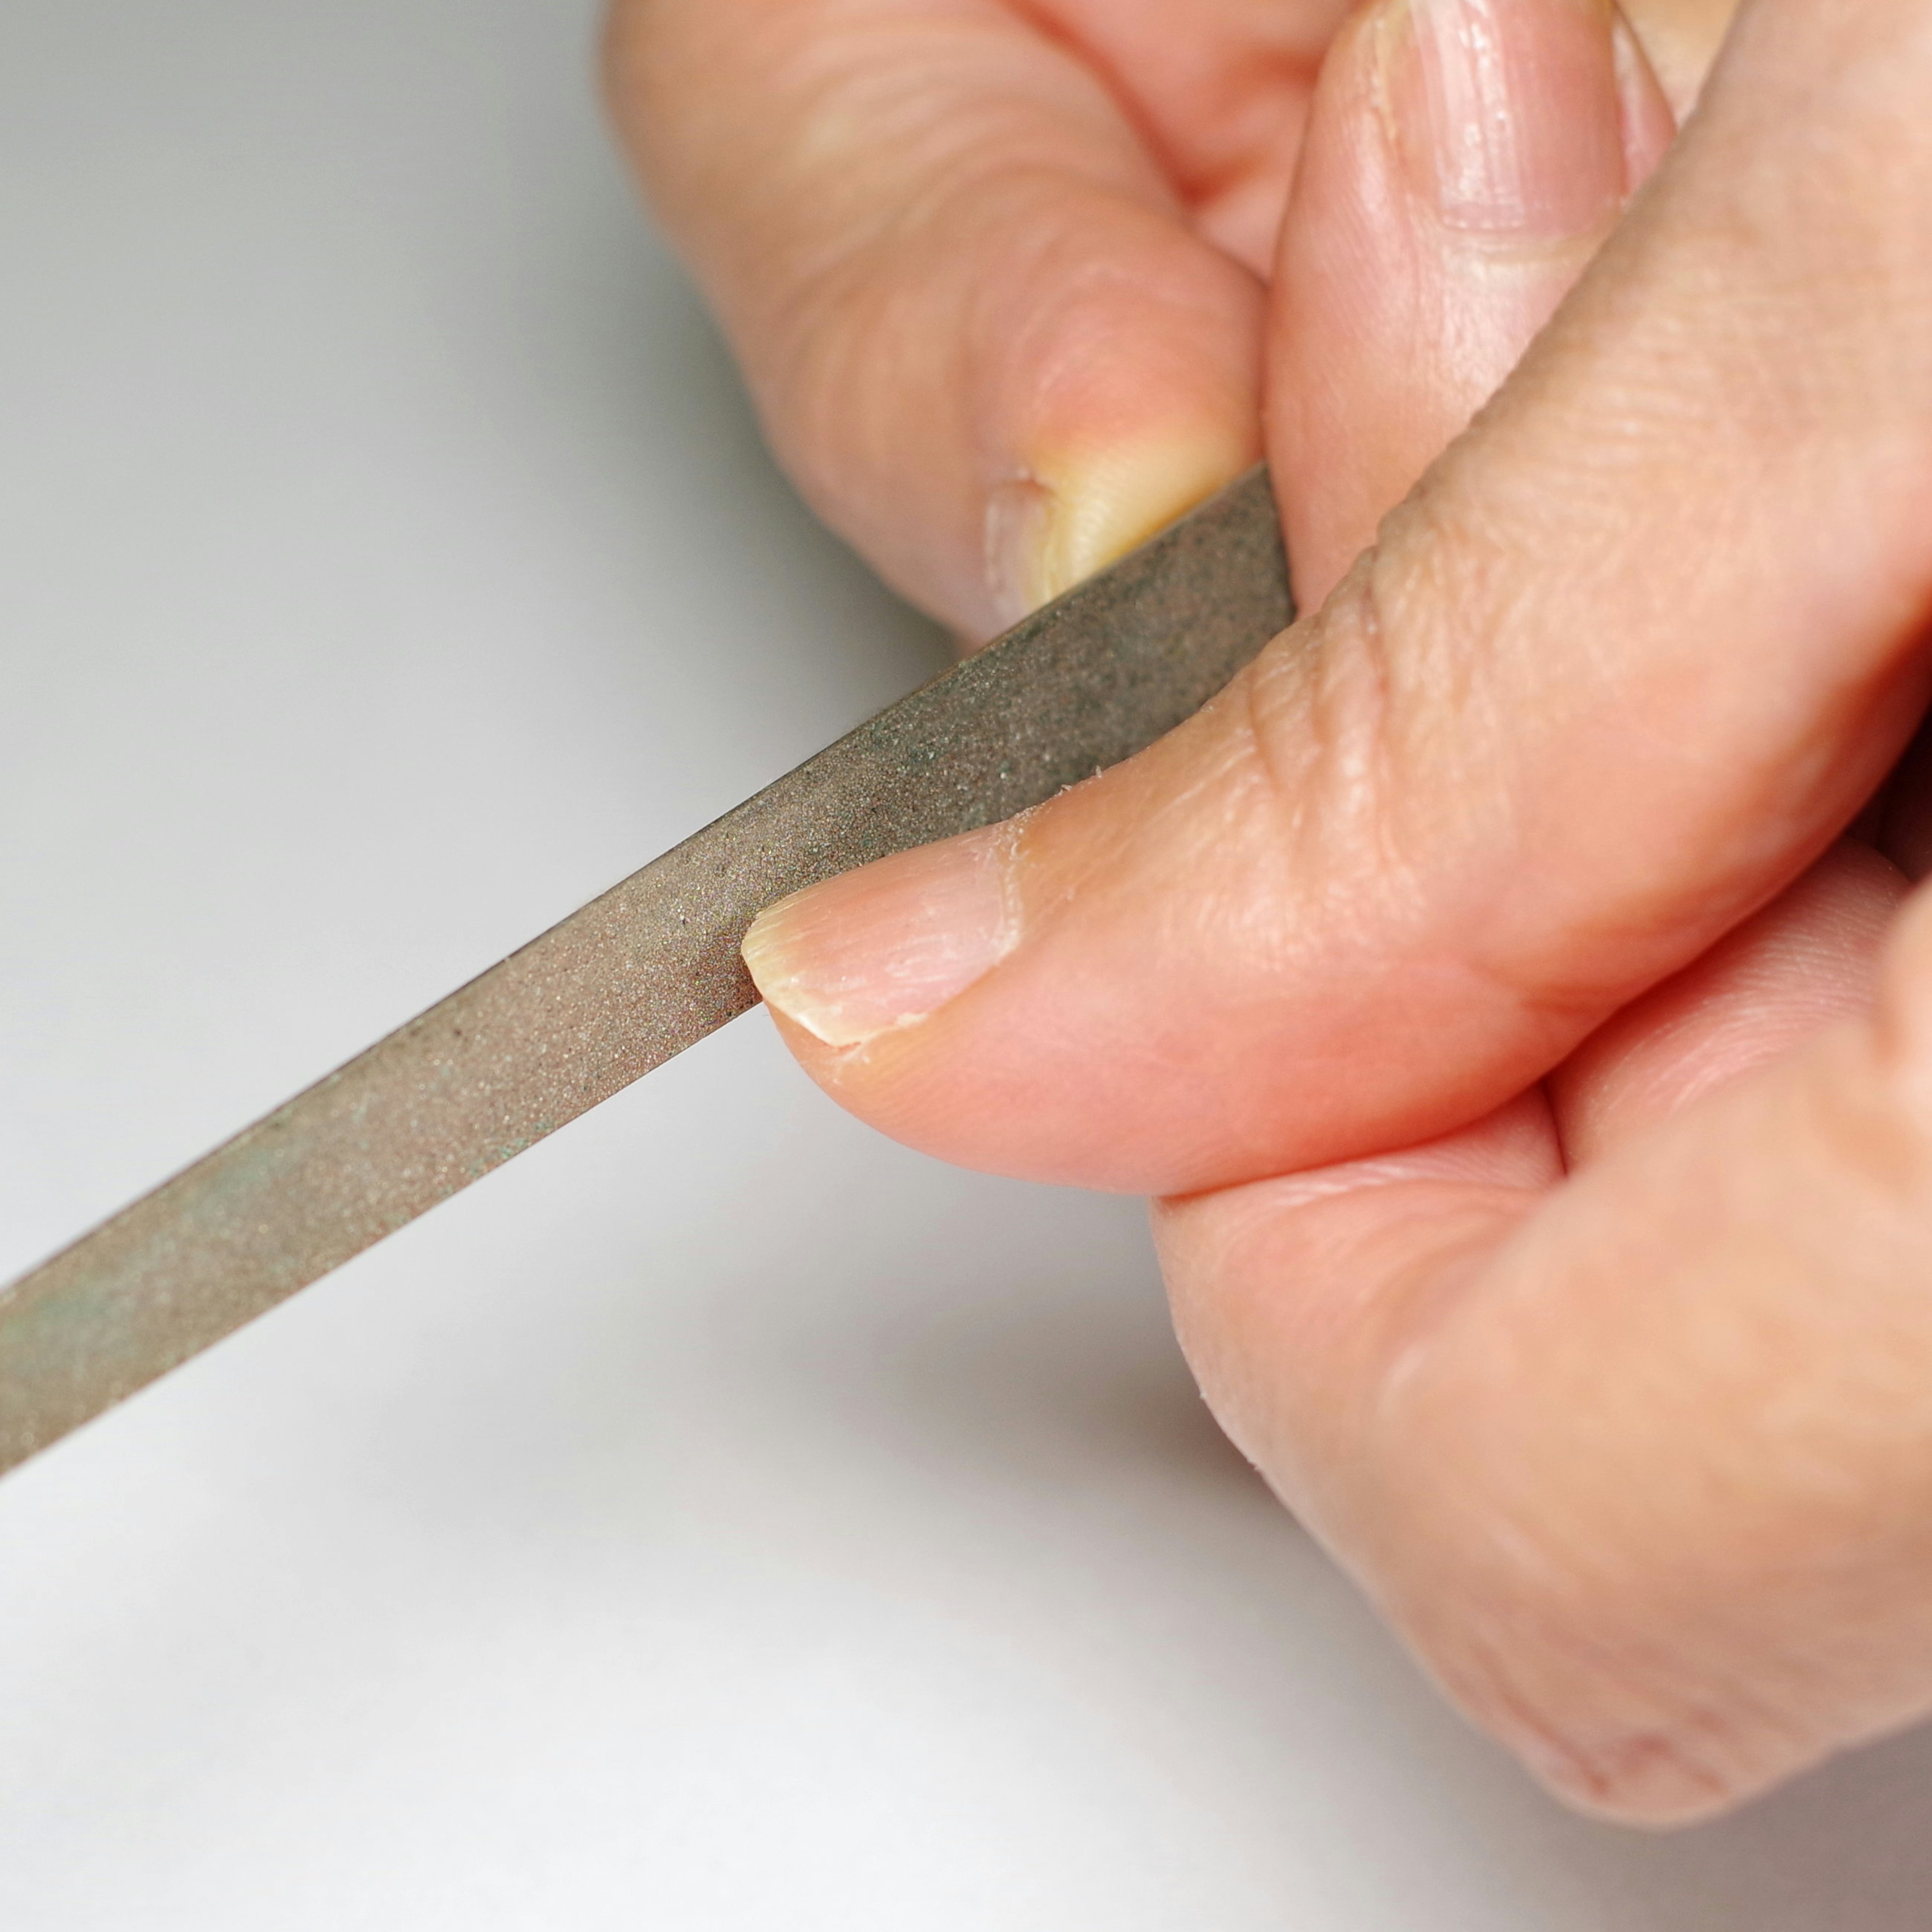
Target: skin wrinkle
x,y
845,74
1698,1718
1027,198
991,87
1090,288
1488,1511
828,358
1027,193
1325,709
1432,1463
1060,327
1657,1059
1444,710
1574,1752
1317,717
1433,592
903,95
809,305
1596,1774
1253,792
1223,147
1614,1451
749,47
1135,111
1496,1668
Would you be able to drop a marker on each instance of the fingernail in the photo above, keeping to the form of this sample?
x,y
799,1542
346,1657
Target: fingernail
x,y
1065,518
890,943
1507,112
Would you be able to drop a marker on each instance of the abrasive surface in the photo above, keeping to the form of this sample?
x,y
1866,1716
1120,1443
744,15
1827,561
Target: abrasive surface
x,y
637,976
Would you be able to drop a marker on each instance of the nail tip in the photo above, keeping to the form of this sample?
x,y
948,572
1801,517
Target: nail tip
x,y
779,987
877,950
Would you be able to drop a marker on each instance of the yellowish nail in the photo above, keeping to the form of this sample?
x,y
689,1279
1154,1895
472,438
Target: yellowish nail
x,y
1068,517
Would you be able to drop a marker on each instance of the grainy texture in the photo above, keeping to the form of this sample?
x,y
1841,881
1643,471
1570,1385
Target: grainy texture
x,y
637,976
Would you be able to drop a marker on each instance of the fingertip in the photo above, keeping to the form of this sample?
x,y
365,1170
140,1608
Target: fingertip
x,y
1079,508
1464,159
1116,385
983,336
882,948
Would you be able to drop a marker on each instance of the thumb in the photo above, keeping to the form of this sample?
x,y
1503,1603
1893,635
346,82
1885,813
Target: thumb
x,y
1439,831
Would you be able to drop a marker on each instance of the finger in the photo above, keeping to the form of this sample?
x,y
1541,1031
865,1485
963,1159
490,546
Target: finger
x,y
1680,38
983,337
1417,263
1809,959
1644,1475
1617,673
1221,89
1395,316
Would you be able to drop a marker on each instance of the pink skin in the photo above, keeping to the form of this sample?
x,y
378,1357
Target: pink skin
x,y
1540,1085
1390,325
995,268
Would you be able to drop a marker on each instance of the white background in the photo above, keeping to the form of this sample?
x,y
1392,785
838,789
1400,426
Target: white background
x,y
720,1518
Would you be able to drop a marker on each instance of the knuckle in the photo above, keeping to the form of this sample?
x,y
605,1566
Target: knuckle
x,y
1381,733
1593,1671
1672,1552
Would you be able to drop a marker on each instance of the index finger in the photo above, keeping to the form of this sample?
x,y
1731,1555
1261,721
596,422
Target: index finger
x,y
984,335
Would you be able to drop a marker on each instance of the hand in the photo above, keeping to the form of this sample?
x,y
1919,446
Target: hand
x,y
995,268
1540,1083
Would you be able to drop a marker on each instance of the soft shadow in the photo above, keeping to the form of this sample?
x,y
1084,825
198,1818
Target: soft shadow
x,y
1061,1382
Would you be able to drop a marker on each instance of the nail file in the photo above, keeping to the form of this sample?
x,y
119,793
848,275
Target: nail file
x,y
635,977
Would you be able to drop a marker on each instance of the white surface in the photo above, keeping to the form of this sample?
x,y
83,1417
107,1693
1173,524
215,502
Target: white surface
x,y
720,1518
